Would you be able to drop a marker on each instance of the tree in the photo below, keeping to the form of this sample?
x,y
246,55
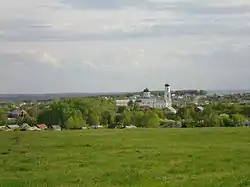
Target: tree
x,y
33,112
81,105
238,119
213,120
136,106
226,120
208,110
187,113
93,119
3,117
49,117
75,122
126,117
29,120
137,119
131,103
170,124
159,112
121,109
202,92
188,123
246,110
151,120
107,117
62,111
234,109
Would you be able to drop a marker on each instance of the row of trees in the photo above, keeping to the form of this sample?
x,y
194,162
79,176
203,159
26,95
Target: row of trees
x,y
78,113
214,115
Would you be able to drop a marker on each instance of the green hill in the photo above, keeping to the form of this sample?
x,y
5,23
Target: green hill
x,y
208,157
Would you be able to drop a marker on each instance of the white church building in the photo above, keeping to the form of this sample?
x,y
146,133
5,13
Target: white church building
x,y
147,100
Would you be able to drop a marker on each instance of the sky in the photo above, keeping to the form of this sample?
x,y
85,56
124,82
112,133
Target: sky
x,y
55,46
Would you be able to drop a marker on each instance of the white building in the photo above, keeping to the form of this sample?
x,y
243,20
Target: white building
x,y
122,102
147,100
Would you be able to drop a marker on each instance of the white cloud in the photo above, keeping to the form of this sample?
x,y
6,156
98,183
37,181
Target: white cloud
x,y
30,56
47,58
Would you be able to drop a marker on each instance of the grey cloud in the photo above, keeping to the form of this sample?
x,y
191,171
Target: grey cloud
x,y
58,36
46,34
199,29
8,60
101,4
24,30
32,77
23,74
191,71
226,59
35,30
22,24
28,59
200,8
223,69
218,10
191,7
26,75
41,26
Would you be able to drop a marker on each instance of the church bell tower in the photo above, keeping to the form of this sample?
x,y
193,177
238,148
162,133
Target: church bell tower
x,y
167,95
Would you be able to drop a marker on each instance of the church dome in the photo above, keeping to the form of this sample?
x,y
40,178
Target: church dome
x,y
167,85
146,90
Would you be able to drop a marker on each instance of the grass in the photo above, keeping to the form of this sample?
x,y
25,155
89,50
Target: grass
x,y
209,157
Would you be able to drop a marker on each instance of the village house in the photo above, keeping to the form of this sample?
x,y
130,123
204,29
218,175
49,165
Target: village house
x,y
15,114
3,128
24,127
42,126
56,127
130,127
122,102
13,127
33,129
96,126
247,124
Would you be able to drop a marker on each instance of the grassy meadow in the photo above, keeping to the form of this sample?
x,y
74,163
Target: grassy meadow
x,y
208,157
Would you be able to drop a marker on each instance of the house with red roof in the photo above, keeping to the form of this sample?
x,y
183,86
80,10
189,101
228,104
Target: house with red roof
x,y
42,126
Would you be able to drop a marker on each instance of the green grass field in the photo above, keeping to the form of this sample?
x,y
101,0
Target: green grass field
x,y
141,157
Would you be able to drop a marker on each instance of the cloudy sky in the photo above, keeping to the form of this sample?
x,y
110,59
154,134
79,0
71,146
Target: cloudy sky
x,y
123,45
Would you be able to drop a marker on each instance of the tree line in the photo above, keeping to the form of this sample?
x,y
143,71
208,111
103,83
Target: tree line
x,y
77,113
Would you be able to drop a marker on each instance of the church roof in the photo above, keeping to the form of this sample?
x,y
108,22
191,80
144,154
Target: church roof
x,y
146,90
167,85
